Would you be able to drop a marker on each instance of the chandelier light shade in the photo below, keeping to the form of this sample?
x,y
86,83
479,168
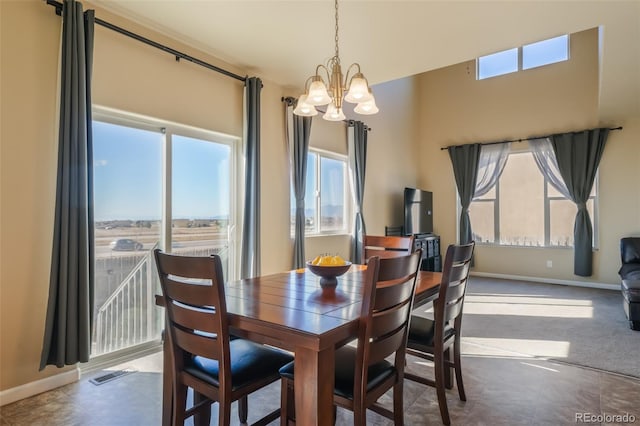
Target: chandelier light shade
x,y
352,88
304,109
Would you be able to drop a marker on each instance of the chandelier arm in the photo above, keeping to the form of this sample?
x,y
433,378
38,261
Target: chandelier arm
x,y
347,80
306,85
326,70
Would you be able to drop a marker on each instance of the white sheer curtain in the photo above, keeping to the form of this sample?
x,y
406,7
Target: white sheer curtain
x,y
490,166
545,158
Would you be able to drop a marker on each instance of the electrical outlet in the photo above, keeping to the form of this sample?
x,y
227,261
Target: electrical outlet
x,y
549,264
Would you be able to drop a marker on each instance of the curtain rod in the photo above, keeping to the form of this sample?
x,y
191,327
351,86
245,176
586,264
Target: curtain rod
x,y
179,55
289,101
516,140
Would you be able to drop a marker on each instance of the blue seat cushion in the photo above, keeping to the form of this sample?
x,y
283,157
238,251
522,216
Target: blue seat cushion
x,y
250,362
422,332
345,371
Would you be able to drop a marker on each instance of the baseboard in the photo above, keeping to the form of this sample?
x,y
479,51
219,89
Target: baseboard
x,y
589,284
8,396
119,357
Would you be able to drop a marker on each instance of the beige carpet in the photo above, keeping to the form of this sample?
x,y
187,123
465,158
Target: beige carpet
x,y
579,326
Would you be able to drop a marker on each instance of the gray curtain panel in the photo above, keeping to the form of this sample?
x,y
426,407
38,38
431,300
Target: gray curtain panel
x,y
578,155
357,140
298,148
250,257
464,159
67,335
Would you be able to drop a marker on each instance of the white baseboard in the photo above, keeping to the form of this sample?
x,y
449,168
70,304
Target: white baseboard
x,y
588,284
8,396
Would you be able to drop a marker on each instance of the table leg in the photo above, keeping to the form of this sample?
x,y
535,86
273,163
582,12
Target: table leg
x,y
313,386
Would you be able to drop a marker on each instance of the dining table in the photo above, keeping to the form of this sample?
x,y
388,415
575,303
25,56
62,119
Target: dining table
x,y
291,311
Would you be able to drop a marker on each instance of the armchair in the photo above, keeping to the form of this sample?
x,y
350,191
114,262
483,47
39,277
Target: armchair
x,y
630,274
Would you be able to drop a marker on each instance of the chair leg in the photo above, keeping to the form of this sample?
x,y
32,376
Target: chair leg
x,y
224,412
439,369
243,409
458,368
359,415
203,417
448,379
179,403
398,396
287,402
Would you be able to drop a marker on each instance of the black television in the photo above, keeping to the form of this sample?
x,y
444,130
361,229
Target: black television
x,y
418,211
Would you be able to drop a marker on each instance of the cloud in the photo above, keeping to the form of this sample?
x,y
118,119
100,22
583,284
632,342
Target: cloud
x,y
99,163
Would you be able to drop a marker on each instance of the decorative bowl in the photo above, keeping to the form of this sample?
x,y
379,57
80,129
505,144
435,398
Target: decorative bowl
x,y
328,273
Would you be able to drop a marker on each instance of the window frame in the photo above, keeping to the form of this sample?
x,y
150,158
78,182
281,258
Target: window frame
x,y
347,198
547,199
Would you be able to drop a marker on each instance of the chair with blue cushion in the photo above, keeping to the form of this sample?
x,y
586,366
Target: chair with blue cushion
x,y
217,368
433,339
363,373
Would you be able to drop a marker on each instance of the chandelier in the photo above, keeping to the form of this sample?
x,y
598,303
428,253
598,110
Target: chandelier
x,y
316,92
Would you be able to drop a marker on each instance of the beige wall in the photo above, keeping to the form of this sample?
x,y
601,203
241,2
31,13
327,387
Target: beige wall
x,y
29,154
457,109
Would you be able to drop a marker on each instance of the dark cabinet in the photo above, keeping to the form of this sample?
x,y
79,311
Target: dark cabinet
x,y
430,245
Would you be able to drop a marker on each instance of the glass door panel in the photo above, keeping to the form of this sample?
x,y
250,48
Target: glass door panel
x,y
202,219
128,209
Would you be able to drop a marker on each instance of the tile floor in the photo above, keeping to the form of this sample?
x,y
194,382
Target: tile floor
x,y
502,389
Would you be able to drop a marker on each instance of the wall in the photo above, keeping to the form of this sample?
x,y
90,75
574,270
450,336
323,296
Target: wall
x,y
392,163
29,154
130,76
391,160
133,77
457,109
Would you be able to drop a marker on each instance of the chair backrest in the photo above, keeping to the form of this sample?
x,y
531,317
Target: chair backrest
x,y
630,250
455,274
387,246
386,311
196,312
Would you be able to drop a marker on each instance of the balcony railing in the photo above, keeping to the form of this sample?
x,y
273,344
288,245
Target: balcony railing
x,y
129,316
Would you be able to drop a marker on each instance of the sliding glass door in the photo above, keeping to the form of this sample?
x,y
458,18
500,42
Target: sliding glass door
x,y
157,185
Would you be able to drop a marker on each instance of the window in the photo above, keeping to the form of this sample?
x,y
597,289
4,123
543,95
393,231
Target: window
x,y
529,56
545,52
525,210
327,194
156,184
499,63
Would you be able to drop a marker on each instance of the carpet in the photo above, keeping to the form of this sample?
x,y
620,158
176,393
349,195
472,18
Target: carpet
x,y
574,325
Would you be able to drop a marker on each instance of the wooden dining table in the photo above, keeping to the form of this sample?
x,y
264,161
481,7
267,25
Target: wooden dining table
x,y
290,310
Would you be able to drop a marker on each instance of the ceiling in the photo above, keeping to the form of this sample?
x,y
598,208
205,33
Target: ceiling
x,y
283,41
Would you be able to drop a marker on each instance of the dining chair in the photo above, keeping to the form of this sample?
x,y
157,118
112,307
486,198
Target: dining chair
x,y
387,246
362,371
204,358
432,339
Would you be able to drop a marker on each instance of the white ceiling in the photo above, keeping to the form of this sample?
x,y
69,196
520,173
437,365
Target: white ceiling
x,y
283,41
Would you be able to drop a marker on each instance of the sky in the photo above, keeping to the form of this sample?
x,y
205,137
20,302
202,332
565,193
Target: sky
x,y
128,175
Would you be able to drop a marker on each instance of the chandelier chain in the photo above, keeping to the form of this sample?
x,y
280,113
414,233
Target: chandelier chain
x,y
336,38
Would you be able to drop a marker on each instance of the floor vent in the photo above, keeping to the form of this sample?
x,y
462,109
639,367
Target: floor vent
x,y
111,375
